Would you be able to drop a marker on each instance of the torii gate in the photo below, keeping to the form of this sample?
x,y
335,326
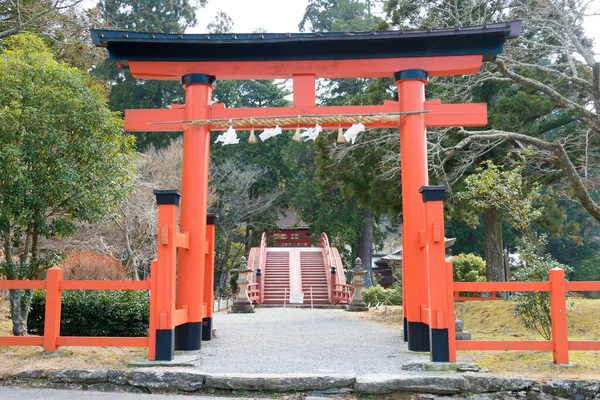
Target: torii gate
x,y
198,60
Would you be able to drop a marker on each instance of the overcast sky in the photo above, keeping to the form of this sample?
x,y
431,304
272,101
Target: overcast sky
x,y
284,16
247,15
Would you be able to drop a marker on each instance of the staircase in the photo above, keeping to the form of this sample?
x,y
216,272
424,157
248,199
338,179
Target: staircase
x,y
277,277
313,275
293,272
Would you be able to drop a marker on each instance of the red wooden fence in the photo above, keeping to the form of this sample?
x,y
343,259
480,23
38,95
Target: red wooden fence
x,y
558,287
54,285
164,316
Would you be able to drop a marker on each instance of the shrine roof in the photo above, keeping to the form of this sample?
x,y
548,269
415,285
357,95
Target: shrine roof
x,y
486,40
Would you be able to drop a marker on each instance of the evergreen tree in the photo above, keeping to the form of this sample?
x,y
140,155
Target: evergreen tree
x,y
64,158
127,92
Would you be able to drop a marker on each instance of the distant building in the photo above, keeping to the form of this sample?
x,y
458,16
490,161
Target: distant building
x,y
387,267
291,231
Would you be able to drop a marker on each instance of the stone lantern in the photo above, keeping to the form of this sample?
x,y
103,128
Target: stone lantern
x,y
242,303
356,302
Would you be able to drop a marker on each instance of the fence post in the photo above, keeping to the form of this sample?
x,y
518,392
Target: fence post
x,y
441,322
209,277
53,308
558,315
153,311
259,279
167,201
451,326
332,283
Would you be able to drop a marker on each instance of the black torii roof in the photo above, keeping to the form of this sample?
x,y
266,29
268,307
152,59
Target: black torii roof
x,y
487,40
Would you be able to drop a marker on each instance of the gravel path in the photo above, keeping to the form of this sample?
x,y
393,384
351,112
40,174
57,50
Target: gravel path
x,y
295,340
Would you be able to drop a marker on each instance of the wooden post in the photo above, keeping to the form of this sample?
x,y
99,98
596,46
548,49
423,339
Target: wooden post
x,y
165,274
259,278
451,326
194,187
402,266
153,311
558,316
413,155
332,283
209,277
437,273
53,309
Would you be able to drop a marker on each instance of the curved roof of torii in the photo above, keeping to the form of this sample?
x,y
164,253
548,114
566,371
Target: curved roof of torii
x,y
485,40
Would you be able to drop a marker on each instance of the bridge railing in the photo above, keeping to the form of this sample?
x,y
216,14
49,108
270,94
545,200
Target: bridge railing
x,y
262,263
253,292
342,293
327,261
337,288
557,286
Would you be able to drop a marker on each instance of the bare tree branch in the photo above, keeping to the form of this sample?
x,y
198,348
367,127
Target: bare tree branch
x,y
556,149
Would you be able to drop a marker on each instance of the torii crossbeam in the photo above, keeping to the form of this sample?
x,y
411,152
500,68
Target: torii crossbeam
x,y
408,56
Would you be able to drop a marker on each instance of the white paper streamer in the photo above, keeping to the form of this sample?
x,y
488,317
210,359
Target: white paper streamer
x,y
270,132
355,129
312,133
228,137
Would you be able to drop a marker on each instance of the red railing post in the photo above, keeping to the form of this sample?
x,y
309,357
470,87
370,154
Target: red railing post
x,y
413,156
53,309
164,276
451,326
259,279
153,311
209,278
558,315
262,262
332,284
441,321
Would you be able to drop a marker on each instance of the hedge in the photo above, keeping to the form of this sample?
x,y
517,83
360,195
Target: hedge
x,y
377,294
116,313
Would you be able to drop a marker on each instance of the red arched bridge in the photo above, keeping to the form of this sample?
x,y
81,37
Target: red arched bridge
x,y
297,275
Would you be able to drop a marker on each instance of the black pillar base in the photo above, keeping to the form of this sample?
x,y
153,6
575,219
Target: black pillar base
x,y
405,330
188,336
165,344
440,351
418,336
207,328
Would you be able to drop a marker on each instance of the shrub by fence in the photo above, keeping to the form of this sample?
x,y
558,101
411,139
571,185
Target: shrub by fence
x,y
90,265
114,313
378,295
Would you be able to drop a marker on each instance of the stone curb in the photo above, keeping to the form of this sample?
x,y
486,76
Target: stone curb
x,y
185,380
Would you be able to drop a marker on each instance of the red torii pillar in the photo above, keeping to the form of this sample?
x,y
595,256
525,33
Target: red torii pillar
x,y
413,159
194,203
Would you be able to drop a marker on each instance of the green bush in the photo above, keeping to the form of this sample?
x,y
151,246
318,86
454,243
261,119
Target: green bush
x,y
588,270
116,313
377,294
468,268
532,309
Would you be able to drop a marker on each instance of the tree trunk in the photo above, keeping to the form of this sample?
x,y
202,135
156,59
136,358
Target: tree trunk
x,y
365,247
247,238
19,310
223,277
494,260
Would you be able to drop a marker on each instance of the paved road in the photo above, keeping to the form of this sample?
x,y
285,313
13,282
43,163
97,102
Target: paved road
x,y
294,340
52,394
